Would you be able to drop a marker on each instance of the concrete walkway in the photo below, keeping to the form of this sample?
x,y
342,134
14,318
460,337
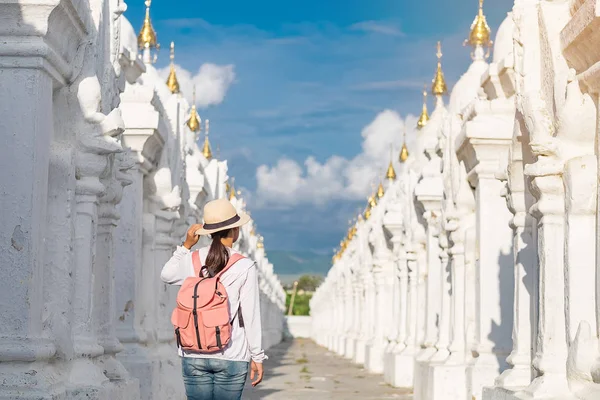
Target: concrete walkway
x,y
300,369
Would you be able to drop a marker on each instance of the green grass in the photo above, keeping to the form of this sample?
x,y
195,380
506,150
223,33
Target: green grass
x,y
304,370
301,361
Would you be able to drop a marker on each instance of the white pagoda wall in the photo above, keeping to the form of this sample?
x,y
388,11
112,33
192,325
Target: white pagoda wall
x,y
101,179
514,234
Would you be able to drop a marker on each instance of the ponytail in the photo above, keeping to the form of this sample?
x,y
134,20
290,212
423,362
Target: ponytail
x,y
218,255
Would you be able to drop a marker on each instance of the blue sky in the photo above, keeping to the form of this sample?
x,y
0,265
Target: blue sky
x,y
302,118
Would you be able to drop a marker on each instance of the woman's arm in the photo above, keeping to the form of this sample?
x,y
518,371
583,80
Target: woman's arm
x,y
250,307
177,269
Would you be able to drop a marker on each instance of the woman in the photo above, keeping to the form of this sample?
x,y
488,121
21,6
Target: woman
x,y
222,375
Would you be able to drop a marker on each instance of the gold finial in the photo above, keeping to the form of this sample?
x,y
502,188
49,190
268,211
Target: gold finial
x,y
232,193
206,152
424,118
372,201
391,173
172,82
147,36
380,191
351,231
438,88
404,153
480,30
194,121
367,213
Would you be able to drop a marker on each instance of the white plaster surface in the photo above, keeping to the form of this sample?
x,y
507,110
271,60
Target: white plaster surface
x,y
492,228
93,203
298,326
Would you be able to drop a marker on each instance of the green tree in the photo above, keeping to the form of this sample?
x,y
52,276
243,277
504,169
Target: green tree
x,y
309,283
301,303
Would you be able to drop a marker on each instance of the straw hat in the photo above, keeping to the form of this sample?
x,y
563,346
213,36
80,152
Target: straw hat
x,y
220,215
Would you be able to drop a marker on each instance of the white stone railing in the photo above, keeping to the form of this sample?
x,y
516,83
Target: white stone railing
x,y
474,307
95,203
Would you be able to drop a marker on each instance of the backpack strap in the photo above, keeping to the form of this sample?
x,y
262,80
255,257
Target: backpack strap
x,y
196,262
235,257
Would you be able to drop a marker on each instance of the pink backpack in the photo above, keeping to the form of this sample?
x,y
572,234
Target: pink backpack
x,y
201,319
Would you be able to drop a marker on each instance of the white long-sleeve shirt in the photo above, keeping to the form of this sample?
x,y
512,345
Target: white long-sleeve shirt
x,y
241,283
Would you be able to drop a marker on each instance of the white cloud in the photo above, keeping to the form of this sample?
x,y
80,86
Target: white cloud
x,y
377,27
212,82
288,183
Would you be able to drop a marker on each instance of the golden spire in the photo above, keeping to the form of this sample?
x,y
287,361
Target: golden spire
x,y
391,173
172,82
424,118
194,121
206,152
380,191
372,201
147,36
231,192
404,151
480,30
438,88
367,212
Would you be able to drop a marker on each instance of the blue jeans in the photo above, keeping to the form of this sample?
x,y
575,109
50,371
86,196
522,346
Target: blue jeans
x,y
213,379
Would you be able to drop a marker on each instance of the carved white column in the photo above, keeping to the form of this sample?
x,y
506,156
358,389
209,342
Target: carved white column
x,y
393,224
434,278
481,150
104,283
525,260
402,300
33,63
429,193
94,146
369,310
583,354
447,374
551,353
135,278
359,302
350,316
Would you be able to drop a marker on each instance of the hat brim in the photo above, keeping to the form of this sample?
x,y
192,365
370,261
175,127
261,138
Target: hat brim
x,y
244,219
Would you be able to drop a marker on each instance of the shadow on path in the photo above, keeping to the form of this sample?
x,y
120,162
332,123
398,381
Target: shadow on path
x,y
300,369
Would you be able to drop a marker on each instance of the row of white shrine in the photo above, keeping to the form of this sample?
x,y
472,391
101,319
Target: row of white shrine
x,y
101,177
474,275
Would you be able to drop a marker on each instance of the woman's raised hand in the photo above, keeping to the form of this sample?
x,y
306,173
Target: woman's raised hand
x,y
191,238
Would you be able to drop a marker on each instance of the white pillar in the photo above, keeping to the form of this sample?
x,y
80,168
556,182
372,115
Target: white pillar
x,y
525,261
27,121
495,282
551,351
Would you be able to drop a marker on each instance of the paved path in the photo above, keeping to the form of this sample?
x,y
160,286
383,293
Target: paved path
x,y
300,369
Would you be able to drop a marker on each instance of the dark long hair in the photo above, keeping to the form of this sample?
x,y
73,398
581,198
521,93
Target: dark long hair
x,y
218,255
